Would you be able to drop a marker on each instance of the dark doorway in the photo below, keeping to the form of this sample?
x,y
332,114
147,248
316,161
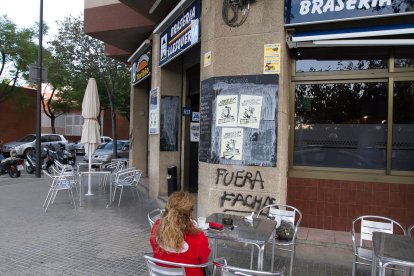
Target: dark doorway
x,y
193,98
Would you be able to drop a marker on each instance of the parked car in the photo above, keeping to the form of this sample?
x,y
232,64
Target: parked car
x,y
104,152
80,148
24,145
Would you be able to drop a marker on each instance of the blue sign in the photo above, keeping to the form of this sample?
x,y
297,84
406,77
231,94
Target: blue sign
x,y
181,34
298,12
186,111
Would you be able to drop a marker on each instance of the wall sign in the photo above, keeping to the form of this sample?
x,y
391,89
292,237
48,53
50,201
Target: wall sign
x,y
182,33
194,132
271,58
154,111
316,11
195,116
186,111
141,68
238,120
169,122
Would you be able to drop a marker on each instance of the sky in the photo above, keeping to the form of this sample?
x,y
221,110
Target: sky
x,y
25,13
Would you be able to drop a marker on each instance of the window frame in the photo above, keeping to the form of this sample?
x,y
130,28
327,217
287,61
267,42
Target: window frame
x,y
389,76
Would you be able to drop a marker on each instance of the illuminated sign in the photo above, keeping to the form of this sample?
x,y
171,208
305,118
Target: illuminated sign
x,y
141,68
182,33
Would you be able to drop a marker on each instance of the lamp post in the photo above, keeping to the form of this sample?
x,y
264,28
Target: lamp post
x,y
39,91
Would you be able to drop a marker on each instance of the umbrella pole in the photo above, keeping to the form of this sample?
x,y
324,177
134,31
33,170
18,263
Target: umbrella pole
x,y
89,174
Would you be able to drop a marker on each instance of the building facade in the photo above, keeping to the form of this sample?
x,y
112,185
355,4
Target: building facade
x,y
257,102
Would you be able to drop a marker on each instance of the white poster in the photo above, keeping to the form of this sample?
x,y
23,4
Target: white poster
x,y
226,115
231,143
154,111
194,132
249,111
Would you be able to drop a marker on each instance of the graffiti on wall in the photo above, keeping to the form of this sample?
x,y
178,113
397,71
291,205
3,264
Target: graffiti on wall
x,y
242,201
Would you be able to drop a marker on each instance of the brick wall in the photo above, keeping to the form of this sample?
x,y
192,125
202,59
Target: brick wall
x,y
333,204
17,121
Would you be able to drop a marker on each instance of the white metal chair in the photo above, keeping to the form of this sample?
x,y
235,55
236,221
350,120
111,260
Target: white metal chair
x,y
125,179
157,267
409,230
226,270
362,247
154,215
114,167
289,214
60,182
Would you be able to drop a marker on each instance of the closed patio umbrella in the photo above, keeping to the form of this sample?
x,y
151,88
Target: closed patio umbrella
x,y
90,131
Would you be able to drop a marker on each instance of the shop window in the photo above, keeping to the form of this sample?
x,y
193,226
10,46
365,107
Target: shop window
x,y
403,127
345,59
341,125
404,58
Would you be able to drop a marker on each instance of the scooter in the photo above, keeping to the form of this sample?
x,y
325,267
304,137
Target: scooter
x,y
30,162
11,165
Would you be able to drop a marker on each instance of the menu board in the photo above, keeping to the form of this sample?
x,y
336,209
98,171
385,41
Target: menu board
x,y
238,120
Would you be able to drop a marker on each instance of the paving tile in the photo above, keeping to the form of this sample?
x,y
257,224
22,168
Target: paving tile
x,y
95,240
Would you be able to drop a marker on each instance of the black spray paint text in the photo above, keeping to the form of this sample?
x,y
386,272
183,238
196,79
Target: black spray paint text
x,y
239,179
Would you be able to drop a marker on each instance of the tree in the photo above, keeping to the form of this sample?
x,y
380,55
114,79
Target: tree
x,y
81,57
18,51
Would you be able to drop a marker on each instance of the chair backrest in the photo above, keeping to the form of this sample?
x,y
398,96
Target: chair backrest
x,y
158,267
409,230
154,215
281,212
227,270
370,224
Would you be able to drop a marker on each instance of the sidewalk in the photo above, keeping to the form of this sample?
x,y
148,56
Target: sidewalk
x,y
95,240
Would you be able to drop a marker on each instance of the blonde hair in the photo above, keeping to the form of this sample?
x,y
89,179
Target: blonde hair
x,y
176,222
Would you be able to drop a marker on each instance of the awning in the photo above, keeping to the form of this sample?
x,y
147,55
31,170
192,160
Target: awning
x,y
347,37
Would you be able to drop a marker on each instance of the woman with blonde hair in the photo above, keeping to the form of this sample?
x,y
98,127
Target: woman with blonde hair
x,y
174,237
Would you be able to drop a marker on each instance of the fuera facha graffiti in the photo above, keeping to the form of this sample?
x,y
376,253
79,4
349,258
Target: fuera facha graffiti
x,y
242,201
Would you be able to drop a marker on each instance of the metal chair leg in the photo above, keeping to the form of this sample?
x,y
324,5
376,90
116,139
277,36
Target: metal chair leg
x,y
120,196
292,257
354,266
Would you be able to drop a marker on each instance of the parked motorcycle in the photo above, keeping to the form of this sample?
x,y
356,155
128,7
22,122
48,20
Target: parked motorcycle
x,y
30,162
60,154
11,165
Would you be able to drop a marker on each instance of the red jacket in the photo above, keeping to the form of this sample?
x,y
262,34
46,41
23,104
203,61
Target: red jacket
x,y
197,252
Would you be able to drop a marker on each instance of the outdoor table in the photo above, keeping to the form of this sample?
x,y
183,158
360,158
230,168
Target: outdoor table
x,y
99,173
391,249
256,232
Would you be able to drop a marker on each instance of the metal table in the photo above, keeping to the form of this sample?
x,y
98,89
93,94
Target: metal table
x,y
256,232
391,249
99,173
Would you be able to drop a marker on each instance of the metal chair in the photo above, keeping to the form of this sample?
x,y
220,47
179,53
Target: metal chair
x,y
125,179
226,270
60,182
114,167
362,247
157,267
154,215
409,230
287,213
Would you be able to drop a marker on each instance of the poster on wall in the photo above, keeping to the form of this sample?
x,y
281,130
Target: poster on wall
x,y
194,132
250,109
232,143
271,59
154,104
226,111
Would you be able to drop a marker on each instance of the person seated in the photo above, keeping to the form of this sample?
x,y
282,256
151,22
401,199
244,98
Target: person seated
x,y
175,238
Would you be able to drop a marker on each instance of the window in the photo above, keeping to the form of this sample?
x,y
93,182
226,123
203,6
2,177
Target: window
x,y
341,125
403,127
342,111
73,125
